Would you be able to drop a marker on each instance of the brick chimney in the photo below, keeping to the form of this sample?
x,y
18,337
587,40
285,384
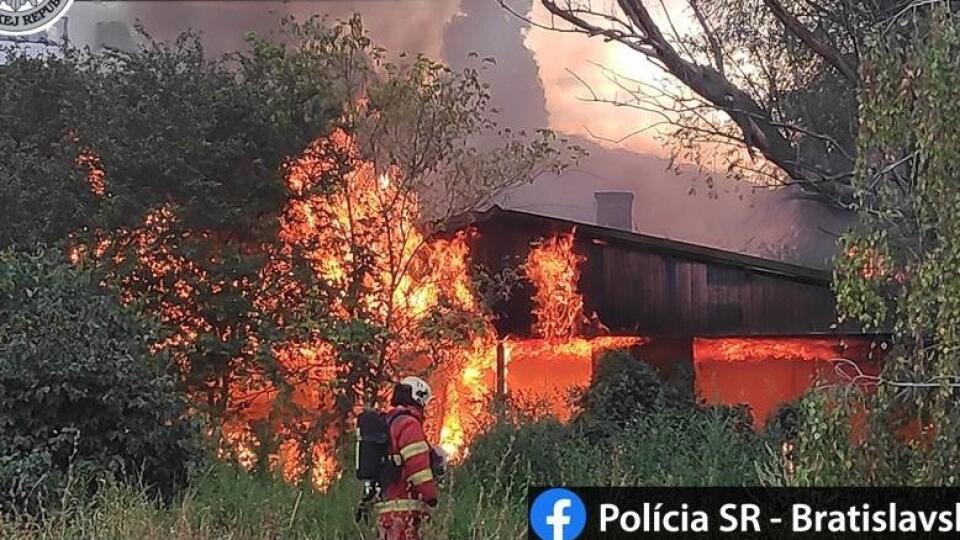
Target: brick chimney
x,y
615,209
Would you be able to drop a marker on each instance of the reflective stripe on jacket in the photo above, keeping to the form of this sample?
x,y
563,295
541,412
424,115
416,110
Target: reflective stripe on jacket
x,y
407,439
400,505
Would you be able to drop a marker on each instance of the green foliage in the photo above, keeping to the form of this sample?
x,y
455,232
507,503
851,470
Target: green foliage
x,y
41,196
226,503
81,398
168,125
846,437
229,499
195,144
530,450
484,499
824,449
662,447
633,429
898,272
165,170
624,388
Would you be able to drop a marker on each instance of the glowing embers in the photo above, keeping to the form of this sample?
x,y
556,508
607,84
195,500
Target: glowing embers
x,y
96,178
765,373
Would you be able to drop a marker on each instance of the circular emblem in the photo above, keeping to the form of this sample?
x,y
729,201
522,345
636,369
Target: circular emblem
x,y
23,17
558,514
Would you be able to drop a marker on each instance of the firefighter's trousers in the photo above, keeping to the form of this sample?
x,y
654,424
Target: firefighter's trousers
x,y
400,520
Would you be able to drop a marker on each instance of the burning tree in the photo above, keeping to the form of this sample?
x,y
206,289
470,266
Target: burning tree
x,y
280,211
398,292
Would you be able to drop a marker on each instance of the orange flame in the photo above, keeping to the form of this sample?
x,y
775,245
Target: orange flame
x,y
402,280
96,177
337,201
553,268
779,370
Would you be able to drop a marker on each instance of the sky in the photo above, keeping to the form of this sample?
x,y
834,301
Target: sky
x,y
535,84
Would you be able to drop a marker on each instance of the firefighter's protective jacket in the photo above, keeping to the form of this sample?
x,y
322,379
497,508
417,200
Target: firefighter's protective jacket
x,y
416,488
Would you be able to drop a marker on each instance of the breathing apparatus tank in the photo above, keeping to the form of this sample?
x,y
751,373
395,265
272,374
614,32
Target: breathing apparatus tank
x,y
373,439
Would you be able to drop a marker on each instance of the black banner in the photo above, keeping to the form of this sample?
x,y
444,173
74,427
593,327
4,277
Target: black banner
x,y
774,513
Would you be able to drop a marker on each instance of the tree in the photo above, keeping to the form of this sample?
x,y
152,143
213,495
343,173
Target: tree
x,y
33,207
82,399
777,78
278,209
415,163
164,166
898,269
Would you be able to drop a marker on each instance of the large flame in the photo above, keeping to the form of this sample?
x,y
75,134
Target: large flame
x,y
554,269
541,373
398,281
404,277
401,281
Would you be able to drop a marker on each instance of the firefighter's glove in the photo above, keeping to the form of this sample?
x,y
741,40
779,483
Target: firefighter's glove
x,y
439,462
362,513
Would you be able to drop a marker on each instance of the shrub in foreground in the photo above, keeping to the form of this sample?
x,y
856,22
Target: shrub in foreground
x,y
81,397
625,387
632,429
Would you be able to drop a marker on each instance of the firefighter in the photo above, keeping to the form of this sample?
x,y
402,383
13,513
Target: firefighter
x,y
406,502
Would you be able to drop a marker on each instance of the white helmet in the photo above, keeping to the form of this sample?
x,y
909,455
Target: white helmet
x,y
419,389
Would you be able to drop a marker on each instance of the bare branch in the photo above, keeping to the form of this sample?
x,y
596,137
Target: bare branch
x,y
761,129
825,50
851,374
715,47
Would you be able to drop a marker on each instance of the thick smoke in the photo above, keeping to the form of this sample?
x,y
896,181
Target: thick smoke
x,y
729,215
399,25
485,29
726,214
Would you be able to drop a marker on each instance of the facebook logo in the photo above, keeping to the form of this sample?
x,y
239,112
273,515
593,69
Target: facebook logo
x,y
558,514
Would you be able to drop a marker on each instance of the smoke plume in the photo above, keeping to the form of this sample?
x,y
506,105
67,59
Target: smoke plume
x,y
725,214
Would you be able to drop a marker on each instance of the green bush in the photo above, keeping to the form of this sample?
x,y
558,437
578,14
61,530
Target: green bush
x,y
624,388
846,437
632,429
81,398
676,447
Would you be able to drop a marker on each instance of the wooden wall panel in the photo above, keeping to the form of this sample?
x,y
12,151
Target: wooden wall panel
x,y
644,290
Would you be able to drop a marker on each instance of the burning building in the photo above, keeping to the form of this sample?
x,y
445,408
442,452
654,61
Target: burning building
x,y
735,328
750,331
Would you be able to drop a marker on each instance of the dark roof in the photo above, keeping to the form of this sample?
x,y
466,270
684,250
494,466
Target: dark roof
x,y
653,243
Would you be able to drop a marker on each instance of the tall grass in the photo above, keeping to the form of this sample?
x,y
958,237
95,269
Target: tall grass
x,y
483,499
225,504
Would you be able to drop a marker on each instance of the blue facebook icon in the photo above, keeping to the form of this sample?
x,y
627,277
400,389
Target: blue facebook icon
x,y
558,514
